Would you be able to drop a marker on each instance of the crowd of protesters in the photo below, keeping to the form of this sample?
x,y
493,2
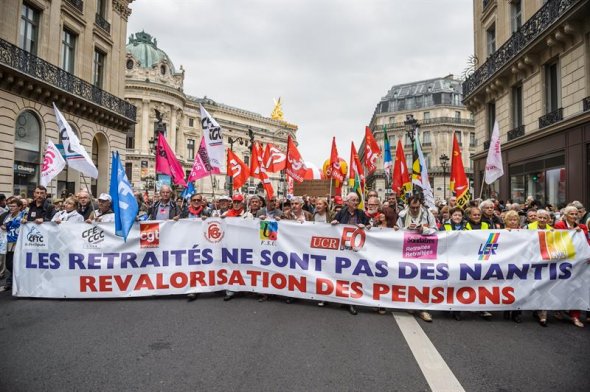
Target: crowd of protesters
x,y
391,213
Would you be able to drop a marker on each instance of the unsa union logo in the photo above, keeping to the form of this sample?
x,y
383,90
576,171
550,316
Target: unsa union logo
x,y
213,232
149,234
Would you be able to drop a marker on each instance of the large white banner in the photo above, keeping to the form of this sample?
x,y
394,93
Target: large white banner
x,y
470,270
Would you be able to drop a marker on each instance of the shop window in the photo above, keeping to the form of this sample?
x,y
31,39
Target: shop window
x,y
27,141
542,179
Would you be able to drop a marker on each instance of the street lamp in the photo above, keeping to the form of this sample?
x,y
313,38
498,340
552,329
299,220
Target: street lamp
x,y
243,142
444,162
411,125
158,128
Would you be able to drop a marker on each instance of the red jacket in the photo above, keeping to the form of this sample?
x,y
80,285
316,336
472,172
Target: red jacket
x,y
561,225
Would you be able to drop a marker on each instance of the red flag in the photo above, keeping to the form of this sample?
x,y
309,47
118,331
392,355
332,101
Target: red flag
x,y
335,172
258,170
237,169
274,159
356,178
295,165
166,162
459,183
372,151
401,185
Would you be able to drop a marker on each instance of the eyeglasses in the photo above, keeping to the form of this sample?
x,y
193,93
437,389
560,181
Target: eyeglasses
x,y
196,199
373,205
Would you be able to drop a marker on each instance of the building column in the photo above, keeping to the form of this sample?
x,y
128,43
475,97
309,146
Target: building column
x,y
145,126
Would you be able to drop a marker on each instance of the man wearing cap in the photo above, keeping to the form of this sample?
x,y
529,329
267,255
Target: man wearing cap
x,y
237,209
224,202
165,208
104,212
41,210
256,208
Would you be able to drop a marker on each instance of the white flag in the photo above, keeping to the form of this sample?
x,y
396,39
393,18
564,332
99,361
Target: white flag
x,y
213,140
76,156
494,167
53,164
425,183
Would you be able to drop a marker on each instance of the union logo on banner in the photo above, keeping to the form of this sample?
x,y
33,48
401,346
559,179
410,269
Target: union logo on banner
x,y
269,230
489,248
213,232
149,235
556,245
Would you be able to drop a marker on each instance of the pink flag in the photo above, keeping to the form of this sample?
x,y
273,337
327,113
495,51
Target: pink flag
x,y
494,166
166,162
202,166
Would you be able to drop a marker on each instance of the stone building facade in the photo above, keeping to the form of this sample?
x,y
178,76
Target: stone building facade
x,y
70,52
532,75
437,107
154,83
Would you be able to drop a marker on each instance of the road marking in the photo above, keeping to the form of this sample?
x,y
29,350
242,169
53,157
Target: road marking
x,y
436,371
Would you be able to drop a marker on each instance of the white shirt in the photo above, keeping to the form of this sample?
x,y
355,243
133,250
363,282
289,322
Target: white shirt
x,y
64,216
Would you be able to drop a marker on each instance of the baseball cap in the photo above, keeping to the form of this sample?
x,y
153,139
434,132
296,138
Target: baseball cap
x,y
105,197
238,197
224,198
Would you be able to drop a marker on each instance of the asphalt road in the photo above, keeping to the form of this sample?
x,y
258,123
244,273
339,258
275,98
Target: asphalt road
x,y
169,344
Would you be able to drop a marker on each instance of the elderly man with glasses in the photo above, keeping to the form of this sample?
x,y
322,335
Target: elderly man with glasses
x,y
196,208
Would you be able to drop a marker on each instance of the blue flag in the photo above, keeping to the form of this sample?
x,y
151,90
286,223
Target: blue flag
x,y
387,162
189,191
124,203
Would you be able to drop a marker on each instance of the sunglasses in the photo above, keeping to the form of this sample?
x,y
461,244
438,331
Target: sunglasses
x,y
196,199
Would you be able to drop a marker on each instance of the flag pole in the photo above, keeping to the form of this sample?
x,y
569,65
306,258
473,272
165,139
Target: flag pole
x,y
330,194
481,189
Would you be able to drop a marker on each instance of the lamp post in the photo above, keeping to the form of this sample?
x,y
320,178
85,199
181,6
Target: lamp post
x,y
411,124
444,162
159,127
243,142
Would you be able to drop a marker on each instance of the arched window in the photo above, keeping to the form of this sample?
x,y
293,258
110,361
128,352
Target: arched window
x,y
27,145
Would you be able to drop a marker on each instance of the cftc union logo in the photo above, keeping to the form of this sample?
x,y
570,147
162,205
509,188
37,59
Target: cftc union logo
x,y
213,232
149,235
35,238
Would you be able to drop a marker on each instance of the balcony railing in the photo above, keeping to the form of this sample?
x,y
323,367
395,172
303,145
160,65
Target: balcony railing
x,y
102,23
516,132
542,20
78,4
431,121
586,104
32,65
551,118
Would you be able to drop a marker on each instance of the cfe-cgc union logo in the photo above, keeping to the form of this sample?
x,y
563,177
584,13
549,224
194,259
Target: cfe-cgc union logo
x,y
149,234
93,237
213,232
34,238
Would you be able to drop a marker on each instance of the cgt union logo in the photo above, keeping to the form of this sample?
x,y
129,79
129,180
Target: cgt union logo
x,y
149,235
213,232
93,237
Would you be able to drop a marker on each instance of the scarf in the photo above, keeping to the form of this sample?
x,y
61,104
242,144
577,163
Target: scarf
x,y
409,219
234,212
195,211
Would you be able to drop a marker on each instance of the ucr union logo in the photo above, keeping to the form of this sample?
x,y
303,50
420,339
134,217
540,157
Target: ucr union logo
x,y
149,234
213,232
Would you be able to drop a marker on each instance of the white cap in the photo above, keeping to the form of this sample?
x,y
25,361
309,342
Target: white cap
x,y
105,196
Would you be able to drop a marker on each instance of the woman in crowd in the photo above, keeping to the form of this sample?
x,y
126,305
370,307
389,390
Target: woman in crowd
x,y
69,213
11,225
445,216
322,214
570,222
512,222
456,221
474,220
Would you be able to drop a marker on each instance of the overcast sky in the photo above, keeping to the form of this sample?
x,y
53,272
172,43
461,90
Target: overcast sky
x,y
330,61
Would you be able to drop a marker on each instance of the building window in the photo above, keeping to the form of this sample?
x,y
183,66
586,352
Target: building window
x,y
517,106
408,141
191,122
68,50
426,138
130,64
163,70
130,139
471,139
392,120
409,161
101,7
426,116
427,161
491,39
516,15
190,148
247,160
457,115
99,58
29,28
129,171
551,87
544,179
491,118
456,99
27,140
459,138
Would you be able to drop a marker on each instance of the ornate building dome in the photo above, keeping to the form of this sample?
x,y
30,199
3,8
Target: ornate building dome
x,y
144,50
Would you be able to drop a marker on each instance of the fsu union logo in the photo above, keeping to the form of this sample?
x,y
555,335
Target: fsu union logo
x,y
149,235
214,232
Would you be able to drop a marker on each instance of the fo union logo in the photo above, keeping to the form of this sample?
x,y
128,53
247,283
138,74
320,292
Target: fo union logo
x,y
35,238
213,232
149,235
93,237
